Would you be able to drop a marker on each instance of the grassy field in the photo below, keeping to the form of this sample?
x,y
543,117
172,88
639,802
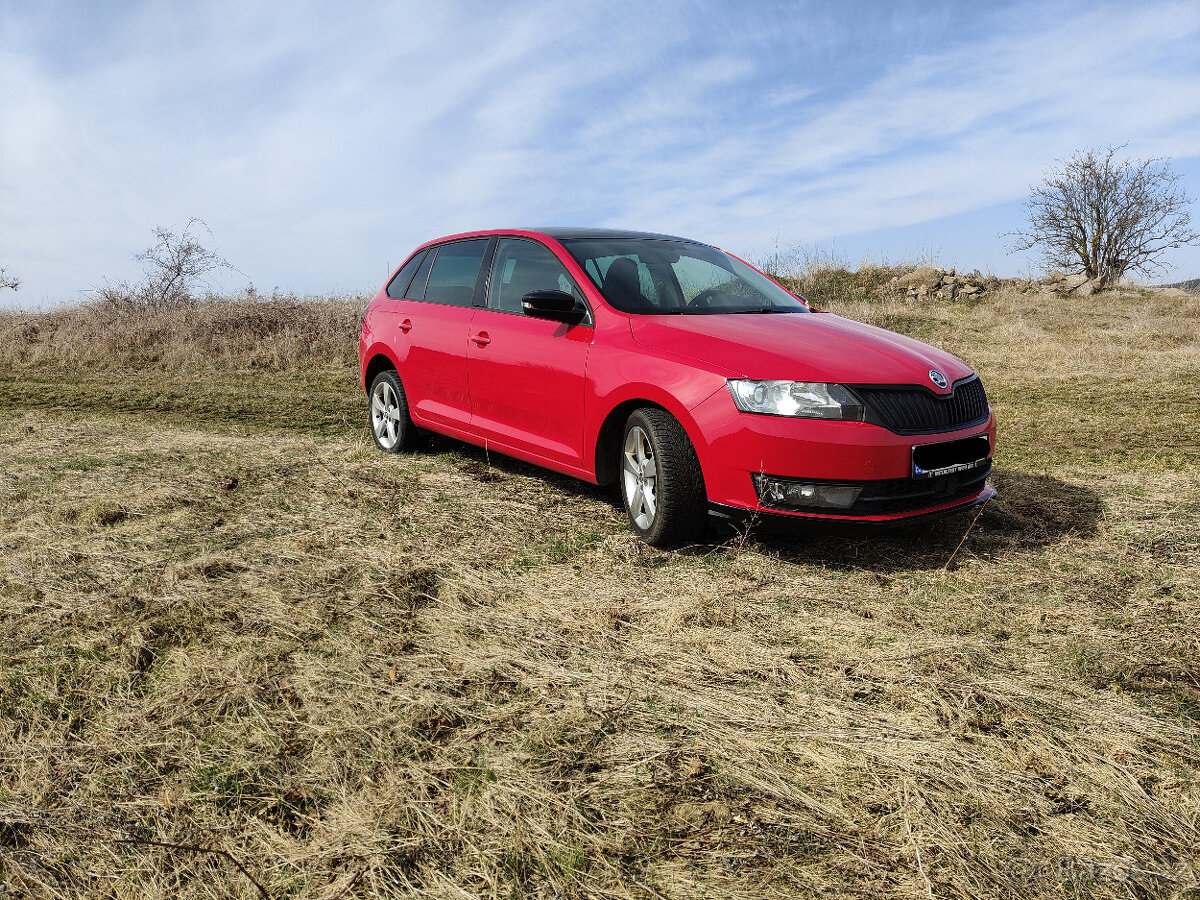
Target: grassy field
x,y
243,654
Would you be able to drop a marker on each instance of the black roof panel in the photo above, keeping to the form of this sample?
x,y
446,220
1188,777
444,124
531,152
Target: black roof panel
x,y
575,234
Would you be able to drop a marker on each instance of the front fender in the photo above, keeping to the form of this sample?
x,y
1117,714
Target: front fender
x,y
675,387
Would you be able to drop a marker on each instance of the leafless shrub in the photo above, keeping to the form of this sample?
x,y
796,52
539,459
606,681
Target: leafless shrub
x,y
825,279
1104,217
177,264
8,282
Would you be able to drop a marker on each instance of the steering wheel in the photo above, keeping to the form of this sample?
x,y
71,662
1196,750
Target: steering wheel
x,y
702,299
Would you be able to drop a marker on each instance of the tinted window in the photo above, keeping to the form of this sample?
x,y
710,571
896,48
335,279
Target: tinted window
x,y
398,285
452,278
654,276
524,266
629,281
697,276
416,290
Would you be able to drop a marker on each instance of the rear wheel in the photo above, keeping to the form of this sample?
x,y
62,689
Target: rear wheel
x,y
391,426
661,481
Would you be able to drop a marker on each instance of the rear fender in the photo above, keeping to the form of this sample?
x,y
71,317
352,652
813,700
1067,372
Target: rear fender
x,y
377,357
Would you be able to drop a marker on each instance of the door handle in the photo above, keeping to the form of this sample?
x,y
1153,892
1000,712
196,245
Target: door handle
x,y
406,326
481,339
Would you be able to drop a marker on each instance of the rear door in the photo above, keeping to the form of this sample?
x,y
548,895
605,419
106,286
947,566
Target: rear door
x,y
431,332
527,374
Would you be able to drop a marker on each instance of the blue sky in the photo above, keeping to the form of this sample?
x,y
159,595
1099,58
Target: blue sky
x,y
322,141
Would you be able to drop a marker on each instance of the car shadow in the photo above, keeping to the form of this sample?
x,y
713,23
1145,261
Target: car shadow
x,y
1029,511
486,466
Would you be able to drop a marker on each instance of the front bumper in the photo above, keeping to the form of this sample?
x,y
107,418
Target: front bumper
x,y
891,497
745,448
845,524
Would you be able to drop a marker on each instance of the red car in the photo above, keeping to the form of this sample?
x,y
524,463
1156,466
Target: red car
x,y
675,370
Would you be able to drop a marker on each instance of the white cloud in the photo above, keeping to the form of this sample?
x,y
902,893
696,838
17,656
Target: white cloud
x,y
322,141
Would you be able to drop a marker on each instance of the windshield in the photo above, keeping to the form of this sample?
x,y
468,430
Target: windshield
x,y
650,276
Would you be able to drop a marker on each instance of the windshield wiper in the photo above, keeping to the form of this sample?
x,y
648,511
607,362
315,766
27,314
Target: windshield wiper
x,y
763,309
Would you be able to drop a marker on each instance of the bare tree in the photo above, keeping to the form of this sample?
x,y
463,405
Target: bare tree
x,y
175,263
8,282
1105,217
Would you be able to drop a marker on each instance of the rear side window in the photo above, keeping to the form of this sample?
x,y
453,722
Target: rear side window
x,y
455,270
416,290
398,285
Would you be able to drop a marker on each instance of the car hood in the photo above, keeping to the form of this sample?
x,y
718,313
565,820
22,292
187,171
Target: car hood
x,y
799,347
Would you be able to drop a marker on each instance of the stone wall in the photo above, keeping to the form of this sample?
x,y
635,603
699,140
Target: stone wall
x,y
946,284
1079,285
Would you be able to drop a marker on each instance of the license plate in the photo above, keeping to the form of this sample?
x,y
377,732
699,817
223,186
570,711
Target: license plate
x,y
950,457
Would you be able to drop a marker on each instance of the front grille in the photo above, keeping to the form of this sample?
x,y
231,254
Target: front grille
x,y
902,495
916,410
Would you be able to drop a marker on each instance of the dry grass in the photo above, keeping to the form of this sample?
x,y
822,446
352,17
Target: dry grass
x,y
452,676
827,284
277,333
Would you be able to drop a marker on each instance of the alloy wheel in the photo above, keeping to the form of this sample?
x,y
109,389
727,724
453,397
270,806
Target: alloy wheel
x,y
385,415
639,477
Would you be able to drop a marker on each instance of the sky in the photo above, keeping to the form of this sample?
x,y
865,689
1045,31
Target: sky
x,y
320,142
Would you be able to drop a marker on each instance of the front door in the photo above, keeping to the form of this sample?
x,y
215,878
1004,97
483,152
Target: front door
x,y
527,375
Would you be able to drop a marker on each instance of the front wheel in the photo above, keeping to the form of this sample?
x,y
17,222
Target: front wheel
x,y
391,426
661,481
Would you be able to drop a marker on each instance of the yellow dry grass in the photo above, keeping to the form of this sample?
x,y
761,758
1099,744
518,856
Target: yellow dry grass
x,y
246,655
277,332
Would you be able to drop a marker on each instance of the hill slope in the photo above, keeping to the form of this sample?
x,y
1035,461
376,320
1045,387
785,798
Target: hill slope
x,y
233,634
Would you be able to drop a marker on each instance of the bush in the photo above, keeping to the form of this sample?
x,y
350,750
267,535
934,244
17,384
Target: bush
x,y
278,332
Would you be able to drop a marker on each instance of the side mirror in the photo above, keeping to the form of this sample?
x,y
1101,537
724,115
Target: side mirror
x,y
557,306
801,298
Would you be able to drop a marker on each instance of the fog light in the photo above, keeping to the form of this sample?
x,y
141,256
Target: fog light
x,y
785,492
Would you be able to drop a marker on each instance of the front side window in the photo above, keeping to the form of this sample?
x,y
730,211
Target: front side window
x,y
455,269
522,266
651,276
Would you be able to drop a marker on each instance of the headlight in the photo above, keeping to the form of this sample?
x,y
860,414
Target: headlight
x,y
803,399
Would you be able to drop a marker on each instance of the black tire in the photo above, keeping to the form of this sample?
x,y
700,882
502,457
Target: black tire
x,y
387,415
661,484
